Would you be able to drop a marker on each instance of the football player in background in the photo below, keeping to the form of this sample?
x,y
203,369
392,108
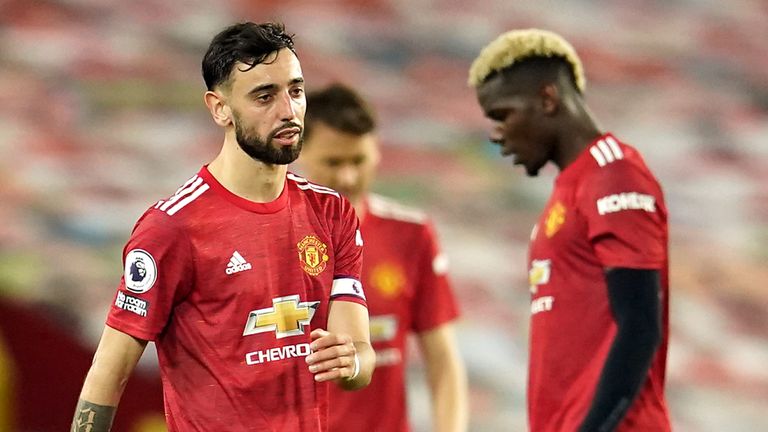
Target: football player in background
x,y
404,271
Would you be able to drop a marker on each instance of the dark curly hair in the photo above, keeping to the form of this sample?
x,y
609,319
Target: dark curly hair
x,y
247,43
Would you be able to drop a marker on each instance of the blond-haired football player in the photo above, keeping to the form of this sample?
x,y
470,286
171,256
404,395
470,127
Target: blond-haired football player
x,y
598,254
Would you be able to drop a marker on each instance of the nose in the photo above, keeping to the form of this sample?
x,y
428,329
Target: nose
x,y
497,135
287,108
347,176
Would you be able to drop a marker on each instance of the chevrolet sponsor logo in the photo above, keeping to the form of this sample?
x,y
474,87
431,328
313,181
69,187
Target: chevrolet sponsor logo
x,y
277,354
287,317
383,328
539,274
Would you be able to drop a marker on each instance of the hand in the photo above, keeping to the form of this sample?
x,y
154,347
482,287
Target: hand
x,y
333,356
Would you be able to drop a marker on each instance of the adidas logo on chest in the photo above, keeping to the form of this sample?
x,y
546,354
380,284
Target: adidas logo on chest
x,y
237,264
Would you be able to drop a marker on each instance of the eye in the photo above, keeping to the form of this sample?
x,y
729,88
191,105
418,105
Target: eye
x,y
297,91
264,98
497,115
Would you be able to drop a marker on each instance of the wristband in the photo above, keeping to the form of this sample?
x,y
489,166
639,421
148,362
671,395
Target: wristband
x,y
357,369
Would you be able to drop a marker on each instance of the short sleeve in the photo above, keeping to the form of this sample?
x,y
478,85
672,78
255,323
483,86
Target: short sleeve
x,y
348,243
158,271
434,303
626,216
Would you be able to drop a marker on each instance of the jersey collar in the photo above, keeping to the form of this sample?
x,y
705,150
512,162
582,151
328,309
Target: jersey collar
x,y
256,207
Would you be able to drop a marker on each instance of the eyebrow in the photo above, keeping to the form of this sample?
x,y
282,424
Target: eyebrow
x,y
262,88
272,87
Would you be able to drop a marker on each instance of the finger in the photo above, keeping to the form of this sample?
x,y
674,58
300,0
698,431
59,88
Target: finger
x,y
318,333
334,374
328,340
331,353
334,363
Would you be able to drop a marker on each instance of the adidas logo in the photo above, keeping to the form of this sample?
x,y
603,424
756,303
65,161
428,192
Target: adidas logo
x,y
237,264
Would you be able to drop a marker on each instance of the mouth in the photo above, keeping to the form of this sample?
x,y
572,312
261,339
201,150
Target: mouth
x,y
515,157
288,136
507,151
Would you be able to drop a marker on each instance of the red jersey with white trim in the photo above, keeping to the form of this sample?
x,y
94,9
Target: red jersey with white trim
x,y
229,290
606,210
408,291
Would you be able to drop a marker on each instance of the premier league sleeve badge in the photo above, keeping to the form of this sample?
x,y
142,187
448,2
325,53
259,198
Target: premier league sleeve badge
x,y
140,271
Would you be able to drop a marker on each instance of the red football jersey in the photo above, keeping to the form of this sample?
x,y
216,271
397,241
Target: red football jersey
x,y
229,290
407,291
606,210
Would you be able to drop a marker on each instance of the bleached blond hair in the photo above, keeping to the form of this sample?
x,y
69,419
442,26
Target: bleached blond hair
x,y
518,45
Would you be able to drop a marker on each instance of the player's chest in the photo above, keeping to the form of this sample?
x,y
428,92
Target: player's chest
x,y
390,283
561,227
390,272
263,257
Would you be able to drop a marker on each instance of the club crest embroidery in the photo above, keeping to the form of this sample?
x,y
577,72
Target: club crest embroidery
x,y
312,255
388,278
555,219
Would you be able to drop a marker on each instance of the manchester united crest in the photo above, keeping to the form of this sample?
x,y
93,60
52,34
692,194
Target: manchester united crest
x,y
312,255
555,219
388,278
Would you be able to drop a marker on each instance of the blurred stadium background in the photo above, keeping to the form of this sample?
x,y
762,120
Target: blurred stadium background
x,y
101,114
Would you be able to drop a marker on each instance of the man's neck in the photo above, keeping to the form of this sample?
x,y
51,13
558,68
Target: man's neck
x,y
575,136
361,206
245,177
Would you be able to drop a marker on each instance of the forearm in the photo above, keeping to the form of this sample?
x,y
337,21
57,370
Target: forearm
x,y
448,386
112,365
447,379
366,358
635,303
624,372
91,417
98,400
350,342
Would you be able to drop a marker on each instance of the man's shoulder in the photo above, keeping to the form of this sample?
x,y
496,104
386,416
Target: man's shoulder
x,y
312,190
191,192
327,203
612,160
172,210
396,212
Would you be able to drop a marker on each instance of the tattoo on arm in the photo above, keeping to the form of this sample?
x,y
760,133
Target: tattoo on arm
x,y
90,417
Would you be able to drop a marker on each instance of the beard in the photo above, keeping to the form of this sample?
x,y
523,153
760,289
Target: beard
x,y
262,149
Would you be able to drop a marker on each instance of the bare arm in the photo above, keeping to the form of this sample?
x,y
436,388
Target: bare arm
x,y
112,365
447,379
334,351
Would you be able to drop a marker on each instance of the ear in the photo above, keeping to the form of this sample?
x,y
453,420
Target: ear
x,y
373,148
376,156
217,105
550,99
